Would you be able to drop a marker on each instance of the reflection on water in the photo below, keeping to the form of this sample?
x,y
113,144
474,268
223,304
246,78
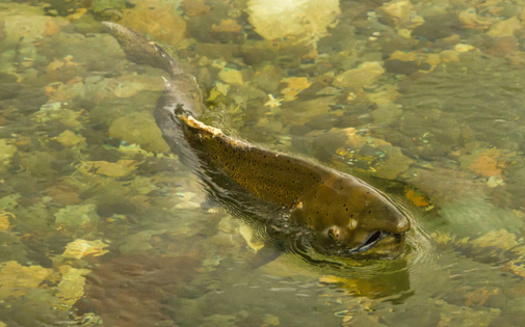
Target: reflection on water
x,y
101,225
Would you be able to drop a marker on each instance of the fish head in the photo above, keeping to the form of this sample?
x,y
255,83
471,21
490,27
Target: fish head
x,y
361,222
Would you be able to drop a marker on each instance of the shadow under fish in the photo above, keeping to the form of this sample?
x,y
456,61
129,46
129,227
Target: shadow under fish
x,y
298,202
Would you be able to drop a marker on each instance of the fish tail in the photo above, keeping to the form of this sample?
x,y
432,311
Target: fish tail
x,y
182,90
141,50
182,97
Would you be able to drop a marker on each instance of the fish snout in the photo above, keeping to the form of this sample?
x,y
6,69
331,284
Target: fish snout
x,y
384,231
390,220
401,224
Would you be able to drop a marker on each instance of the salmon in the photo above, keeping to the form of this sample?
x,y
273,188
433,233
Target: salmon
x,y
341,214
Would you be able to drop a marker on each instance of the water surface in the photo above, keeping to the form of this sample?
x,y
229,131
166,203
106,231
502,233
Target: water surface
x,y
101,225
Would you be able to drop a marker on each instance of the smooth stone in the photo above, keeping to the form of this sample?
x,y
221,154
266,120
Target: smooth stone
x,y
139,128
366,74
9,87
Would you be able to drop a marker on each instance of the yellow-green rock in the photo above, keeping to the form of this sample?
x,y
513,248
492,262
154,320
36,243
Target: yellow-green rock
x,y
7,150
139,128
366,74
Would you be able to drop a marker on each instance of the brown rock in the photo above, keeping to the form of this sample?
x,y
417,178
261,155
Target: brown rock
x,y
501,46
157,19
128,290
63,194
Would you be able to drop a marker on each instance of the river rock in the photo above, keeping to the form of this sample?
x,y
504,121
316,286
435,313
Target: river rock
x,y
159,19
274,19
139,128
77,216
366,74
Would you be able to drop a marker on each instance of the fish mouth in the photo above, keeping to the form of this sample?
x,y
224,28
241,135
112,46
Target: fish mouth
x,y
372,239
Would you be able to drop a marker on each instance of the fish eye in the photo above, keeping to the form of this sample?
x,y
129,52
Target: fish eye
x,y
334,233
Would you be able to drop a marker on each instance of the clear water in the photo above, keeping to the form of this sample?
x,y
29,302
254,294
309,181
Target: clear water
x,y
101,225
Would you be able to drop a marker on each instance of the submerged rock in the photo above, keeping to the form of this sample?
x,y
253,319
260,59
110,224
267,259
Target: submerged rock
x,y
17,280
77,216
300,20
7,149
366,74
38,163
26,21
231,76
12,248
402,318
9,87
141,129
159,19
69,139
130,290
401,14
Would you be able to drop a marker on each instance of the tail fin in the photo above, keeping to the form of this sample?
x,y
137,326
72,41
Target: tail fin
x,y
182,90
140,50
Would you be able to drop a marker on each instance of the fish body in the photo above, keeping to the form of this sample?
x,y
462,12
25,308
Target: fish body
x,y
344,215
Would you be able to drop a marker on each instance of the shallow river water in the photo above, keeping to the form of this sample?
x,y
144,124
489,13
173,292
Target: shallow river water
x,y
101,225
